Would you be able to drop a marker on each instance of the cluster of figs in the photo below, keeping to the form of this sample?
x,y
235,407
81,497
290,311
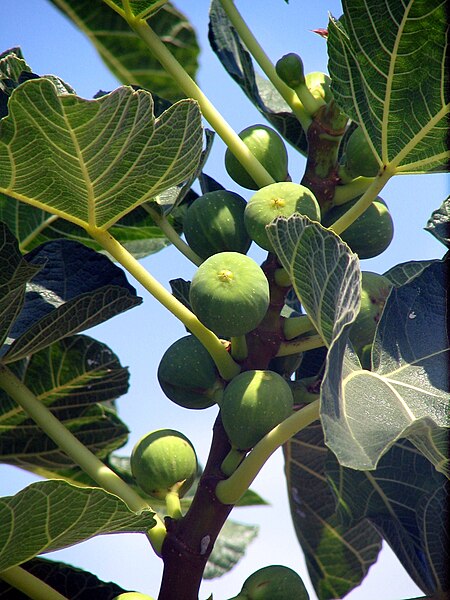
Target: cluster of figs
x,y
229,294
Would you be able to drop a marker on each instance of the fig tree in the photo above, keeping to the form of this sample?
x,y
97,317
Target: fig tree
x,y
360,160
253,403
275,582
374,292
229,294
164,461
214,223
188,376
277,200
268,147
371,233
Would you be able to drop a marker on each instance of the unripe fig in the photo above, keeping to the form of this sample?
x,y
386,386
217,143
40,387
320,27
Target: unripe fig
x,y
132,596
229,294
371,233
360,160
275,582
164,461
188,375
277,200
253,403
290,70
268,147
319,84
374,292
214,223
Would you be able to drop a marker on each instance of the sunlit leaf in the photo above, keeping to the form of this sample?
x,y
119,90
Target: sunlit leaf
x,y
365,412
51,515
390,73
98,159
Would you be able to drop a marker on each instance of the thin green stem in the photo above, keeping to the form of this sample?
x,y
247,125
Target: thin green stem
x,y
239,348
254,168
173,506
257,51
303,344
173,237
350,191
30,585
310,103
296,326
364,202
82,456
231,461
230,490
224,362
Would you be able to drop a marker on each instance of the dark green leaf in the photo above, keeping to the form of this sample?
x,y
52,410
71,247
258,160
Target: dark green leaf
x,y
69,581
404,272
229,548
338,556
51,515
78,379
75,289
88,148
407,501
231,52
14,275
123,51
389,66
439,223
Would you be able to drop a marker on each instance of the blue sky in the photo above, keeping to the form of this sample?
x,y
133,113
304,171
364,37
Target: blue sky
x,y
52,45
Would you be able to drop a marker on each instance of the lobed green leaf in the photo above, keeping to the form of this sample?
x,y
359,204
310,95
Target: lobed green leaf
x,y
389,67
71,157
52,515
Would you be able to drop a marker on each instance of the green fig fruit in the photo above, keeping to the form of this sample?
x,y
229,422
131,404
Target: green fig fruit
x,y
275,582
214,223
319,84
188,375
268,147
289,69
277,200
360,160
253,403
374,292
371,233
164,461
229,294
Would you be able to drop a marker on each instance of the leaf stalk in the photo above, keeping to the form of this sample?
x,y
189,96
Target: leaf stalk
x,y
255,169
30,585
